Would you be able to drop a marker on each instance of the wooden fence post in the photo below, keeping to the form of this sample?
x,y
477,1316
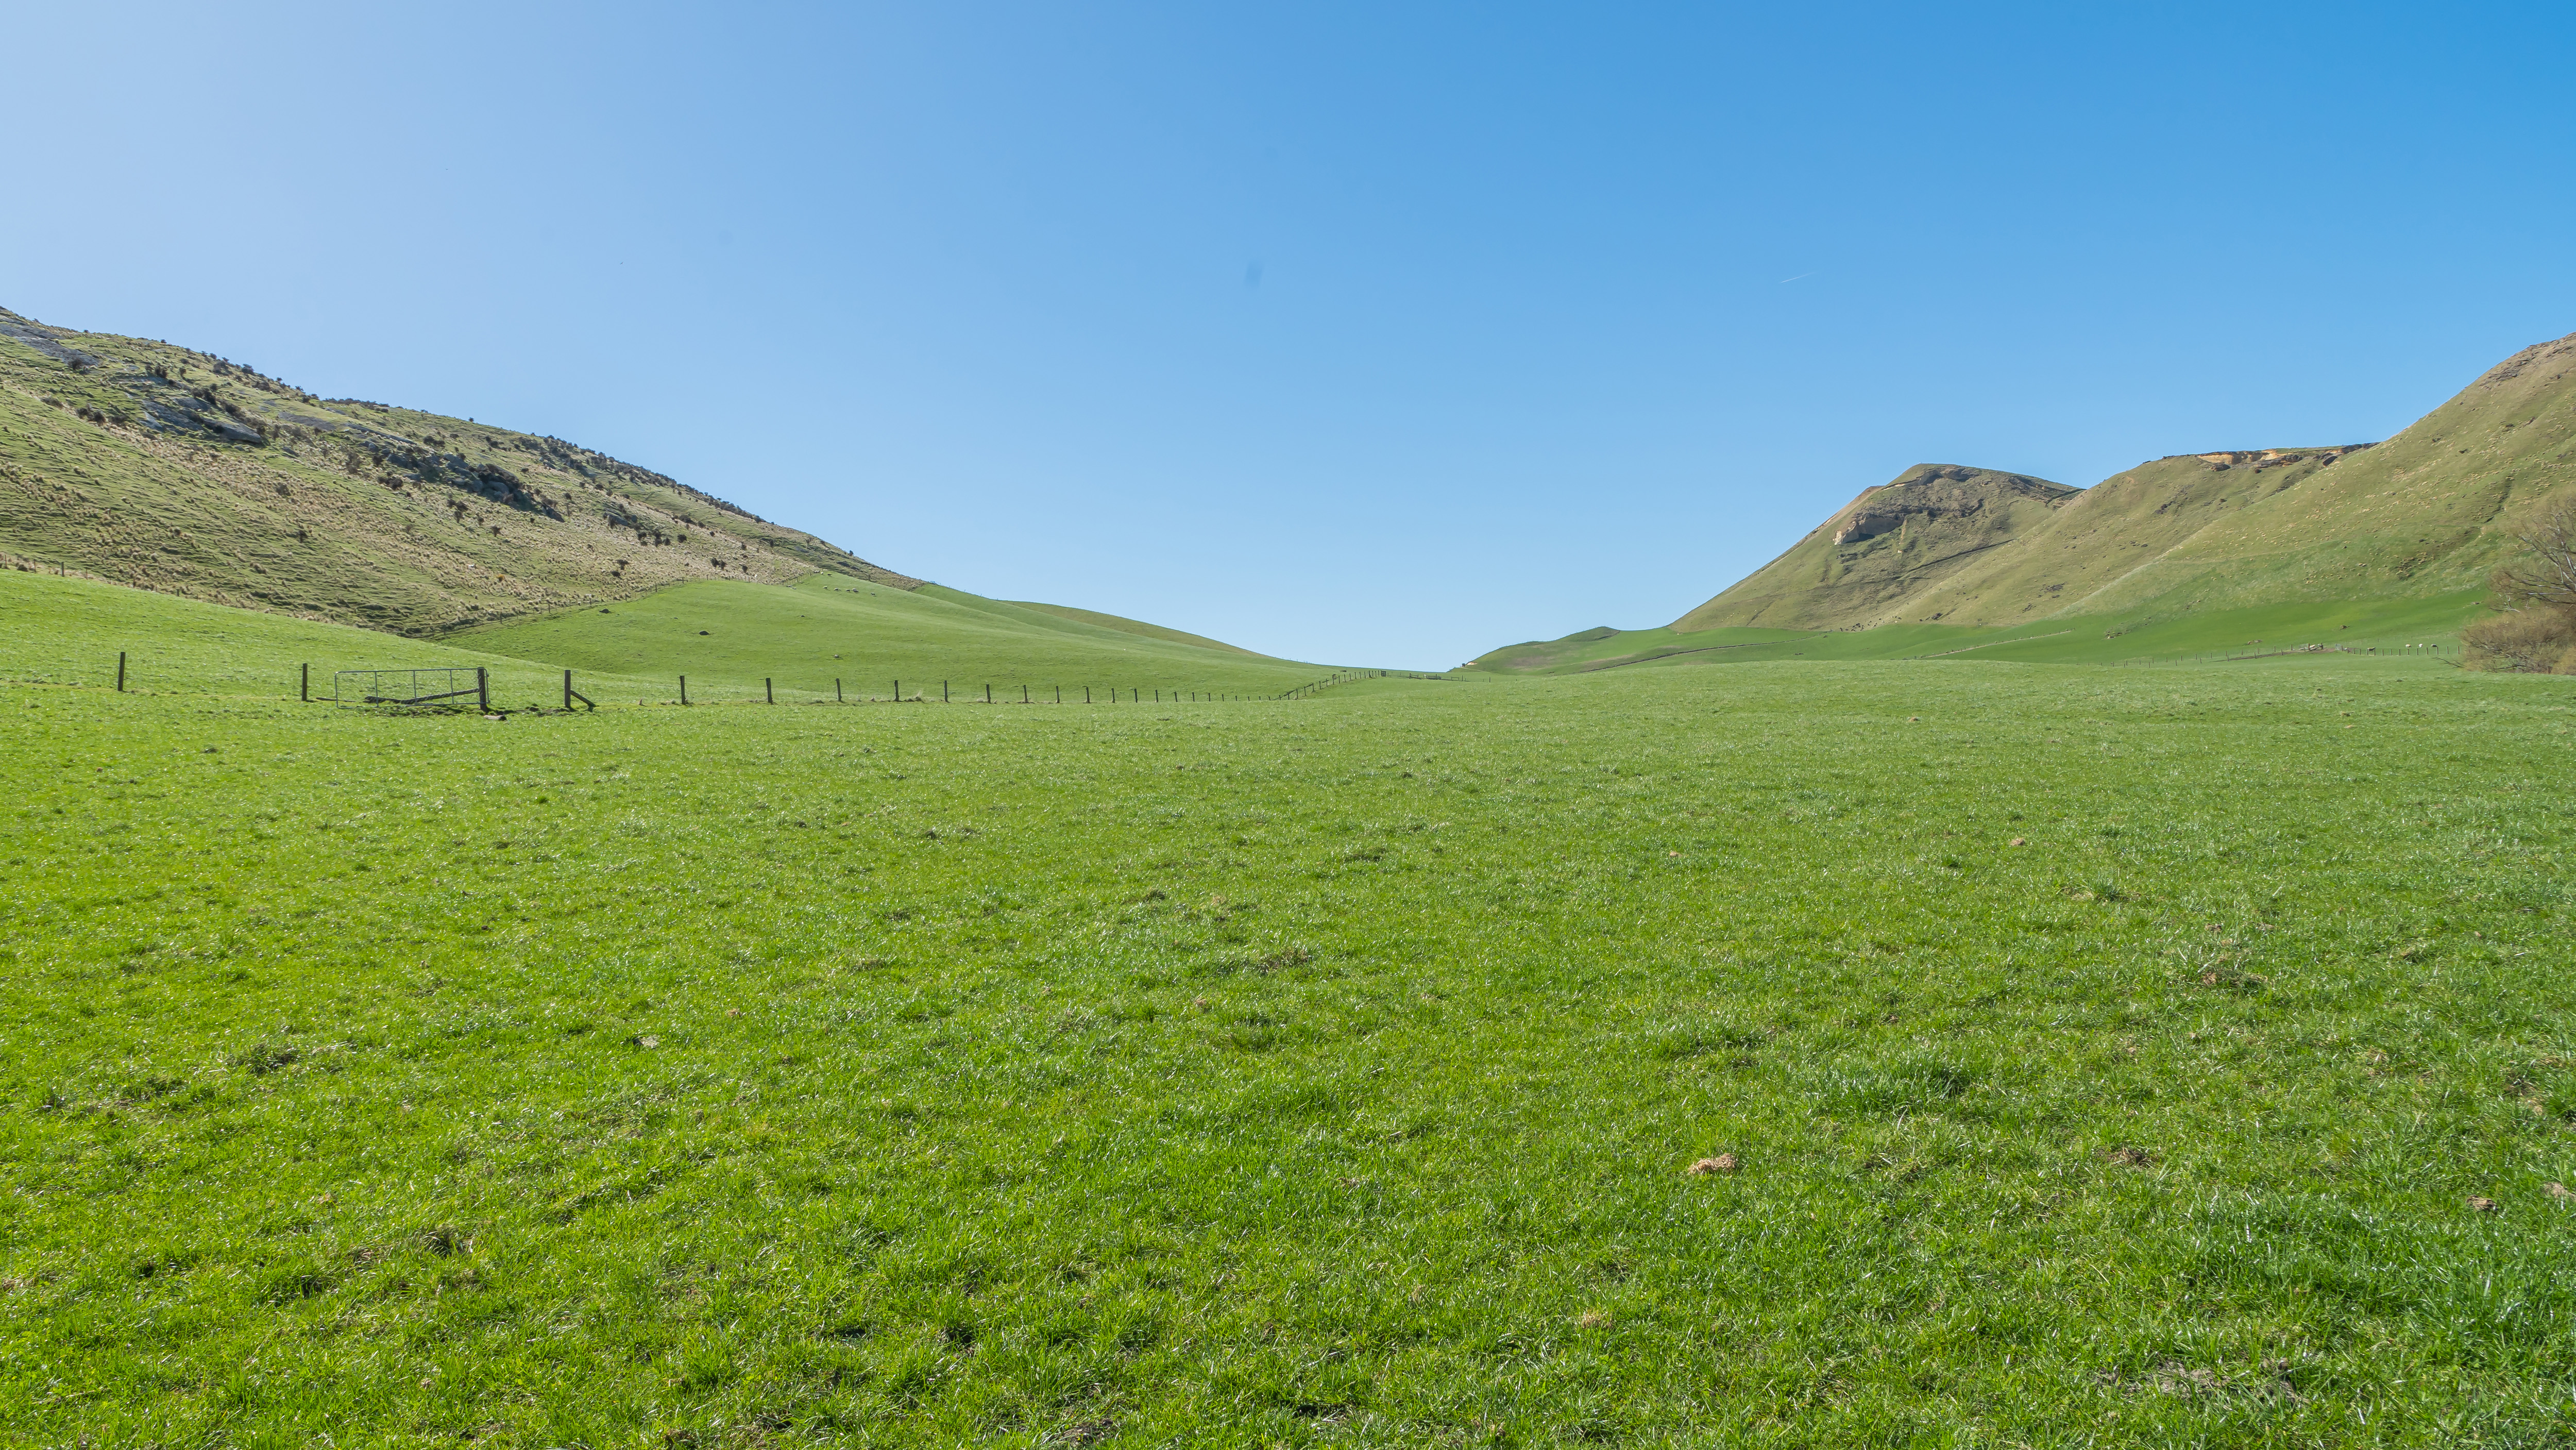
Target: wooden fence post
x,y
567,689
769,687
836,691
307,690
1024,690
898,692
988,694
120,672
684,689
483,689
943,692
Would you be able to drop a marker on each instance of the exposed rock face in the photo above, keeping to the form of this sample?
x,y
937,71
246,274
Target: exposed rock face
x,y
45,340
2262,458
180,413
1938,491
2560,351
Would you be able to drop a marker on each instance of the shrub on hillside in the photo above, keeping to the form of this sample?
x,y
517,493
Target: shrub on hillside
x,y
2536,633
2532,640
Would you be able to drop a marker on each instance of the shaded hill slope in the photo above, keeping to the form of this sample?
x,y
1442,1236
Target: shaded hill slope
x,y
2429,512
173,470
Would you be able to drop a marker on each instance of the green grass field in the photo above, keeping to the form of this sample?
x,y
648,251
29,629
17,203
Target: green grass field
x,y
69,631
2168,1055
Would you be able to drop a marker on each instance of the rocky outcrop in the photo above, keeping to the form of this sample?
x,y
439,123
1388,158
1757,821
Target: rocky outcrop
x,y
2263,458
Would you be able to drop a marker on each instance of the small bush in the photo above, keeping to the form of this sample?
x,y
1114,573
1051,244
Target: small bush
x,y
2535,640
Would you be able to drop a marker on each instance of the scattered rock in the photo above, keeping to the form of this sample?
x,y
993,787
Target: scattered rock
x,y
2559,1191
2018,841
1722,1163
1591,1319
2133,1157
2484,1205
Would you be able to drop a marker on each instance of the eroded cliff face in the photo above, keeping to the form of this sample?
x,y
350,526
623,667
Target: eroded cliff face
x,y
2260,459
1933,493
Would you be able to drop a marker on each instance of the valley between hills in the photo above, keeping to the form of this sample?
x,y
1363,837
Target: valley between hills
x,y
2088,969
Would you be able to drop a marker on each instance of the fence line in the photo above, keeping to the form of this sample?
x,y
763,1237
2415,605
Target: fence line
x,y
1344,677
372,686
2444,650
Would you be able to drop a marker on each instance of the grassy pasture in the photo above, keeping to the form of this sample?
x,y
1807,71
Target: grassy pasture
x,y
68,632
1312,1073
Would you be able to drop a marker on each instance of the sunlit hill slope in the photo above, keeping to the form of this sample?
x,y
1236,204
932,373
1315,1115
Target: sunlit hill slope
x,y
155,465
2430,511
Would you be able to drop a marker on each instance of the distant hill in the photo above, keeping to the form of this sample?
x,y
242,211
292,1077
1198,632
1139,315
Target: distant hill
x,y
1885,548
2428,513
155,465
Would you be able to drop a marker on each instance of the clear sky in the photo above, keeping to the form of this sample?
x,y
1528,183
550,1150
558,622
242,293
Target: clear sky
x,y
1374,333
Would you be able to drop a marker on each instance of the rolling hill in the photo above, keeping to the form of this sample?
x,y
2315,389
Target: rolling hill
x,y
169,469
143,463
1886,547
2424,516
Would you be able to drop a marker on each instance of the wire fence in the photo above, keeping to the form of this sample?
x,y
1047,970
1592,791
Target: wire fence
x,y
507,688
429,686
1344,677
2418,648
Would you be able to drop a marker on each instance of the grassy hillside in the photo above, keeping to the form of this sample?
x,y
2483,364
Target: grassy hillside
x,y
2426,514
1834,1055
2115,532
2429,511
1134,626
2422,628
165,468
732,634
1877,553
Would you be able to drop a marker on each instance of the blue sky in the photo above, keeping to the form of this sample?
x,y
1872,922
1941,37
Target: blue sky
x,y
1371,333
